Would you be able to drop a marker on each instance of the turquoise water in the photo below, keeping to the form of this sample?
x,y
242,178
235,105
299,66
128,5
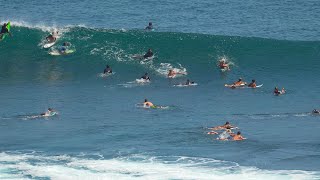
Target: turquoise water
x,y
101,132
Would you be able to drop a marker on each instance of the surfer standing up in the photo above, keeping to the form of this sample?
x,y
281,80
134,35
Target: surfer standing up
x,y
4,30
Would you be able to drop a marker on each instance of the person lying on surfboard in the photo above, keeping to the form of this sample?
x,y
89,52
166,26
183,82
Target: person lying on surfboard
x,y
49,112
4,30
172,73
227,125
316,111
52,37
107,70
148,54
148,103
239,82
253,84
64,47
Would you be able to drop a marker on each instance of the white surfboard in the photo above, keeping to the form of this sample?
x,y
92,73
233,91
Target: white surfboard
x,y
58,53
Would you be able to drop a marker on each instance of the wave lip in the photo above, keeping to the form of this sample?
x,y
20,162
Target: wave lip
x,y
137,166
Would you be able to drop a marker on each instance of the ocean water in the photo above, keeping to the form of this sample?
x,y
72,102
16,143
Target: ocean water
x,y
101,132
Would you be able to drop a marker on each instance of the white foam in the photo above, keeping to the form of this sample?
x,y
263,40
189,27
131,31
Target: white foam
x,y
135,167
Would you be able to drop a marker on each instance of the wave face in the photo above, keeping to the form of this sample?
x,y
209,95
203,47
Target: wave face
x,y
24,59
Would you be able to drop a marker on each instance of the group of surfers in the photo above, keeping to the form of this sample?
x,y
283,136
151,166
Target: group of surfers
x,y
227,133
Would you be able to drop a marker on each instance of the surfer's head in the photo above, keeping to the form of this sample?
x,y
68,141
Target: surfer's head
x,y
108,66
227,123
4,24
150,23
49,109
253,80
240,79
145,100
238,133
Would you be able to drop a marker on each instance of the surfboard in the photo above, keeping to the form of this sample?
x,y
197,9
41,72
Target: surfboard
x,y
234,86
185,85
141,80
6,34
49,45
58,53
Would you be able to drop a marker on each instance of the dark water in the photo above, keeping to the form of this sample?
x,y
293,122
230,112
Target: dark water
x,y
100,132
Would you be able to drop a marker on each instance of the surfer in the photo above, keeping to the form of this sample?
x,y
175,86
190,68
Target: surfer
x,y
223,64
148,103
189,82
145,77
4,30
227,125
277,92
172,73
253,84
64,47
107,70
52,37
49,112
148,54
239,82
316,111
238,137
149,27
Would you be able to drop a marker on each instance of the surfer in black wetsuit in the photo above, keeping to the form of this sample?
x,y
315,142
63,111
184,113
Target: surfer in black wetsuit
x,y
148,54
316,111
149,27
145,77
107,70
4,30
189,82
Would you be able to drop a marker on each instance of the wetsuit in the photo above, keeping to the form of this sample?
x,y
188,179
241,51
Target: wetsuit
x,y
4,29
148,54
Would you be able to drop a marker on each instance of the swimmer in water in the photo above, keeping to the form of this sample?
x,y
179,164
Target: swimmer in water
x,y
316,111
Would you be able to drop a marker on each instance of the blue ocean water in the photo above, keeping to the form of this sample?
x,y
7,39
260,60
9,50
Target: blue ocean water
x,y
101,132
